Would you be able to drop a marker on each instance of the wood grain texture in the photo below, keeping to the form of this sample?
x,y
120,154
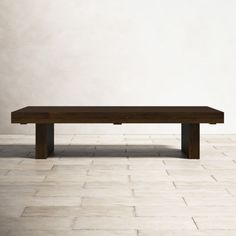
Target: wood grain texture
x,y
117,115
45,117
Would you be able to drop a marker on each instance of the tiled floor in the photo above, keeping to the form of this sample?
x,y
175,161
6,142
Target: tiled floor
x,y
112,185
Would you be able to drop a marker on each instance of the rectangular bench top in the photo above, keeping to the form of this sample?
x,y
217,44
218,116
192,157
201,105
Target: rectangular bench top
x,y
117,114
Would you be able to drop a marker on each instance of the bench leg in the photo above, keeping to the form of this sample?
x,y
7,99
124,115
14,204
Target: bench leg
x,y
44,140
190,140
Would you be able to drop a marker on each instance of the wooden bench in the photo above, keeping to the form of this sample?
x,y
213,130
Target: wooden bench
x,y
45,118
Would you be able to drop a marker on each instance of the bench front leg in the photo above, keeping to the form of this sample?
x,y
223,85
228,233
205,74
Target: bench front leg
x,y
44,140
190,140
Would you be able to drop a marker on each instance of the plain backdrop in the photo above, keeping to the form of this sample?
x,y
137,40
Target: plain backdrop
x,y
117,52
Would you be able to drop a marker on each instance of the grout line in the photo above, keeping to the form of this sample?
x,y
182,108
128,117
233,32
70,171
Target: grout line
x,y
44,179
213,177
229,192
174,184
84,185
8,171
35,193
19,162
129,178
52,166
195,223
87,172
214,147
134,211
21,215
133,192
184,201
73,222
224,154
203,167
70,142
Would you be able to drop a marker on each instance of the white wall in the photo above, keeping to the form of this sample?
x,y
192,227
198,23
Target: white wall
x,y
117,52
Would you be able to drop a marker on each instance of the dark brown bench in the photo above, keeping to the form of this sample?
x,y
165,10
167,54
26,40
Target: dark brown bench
x,y
46,117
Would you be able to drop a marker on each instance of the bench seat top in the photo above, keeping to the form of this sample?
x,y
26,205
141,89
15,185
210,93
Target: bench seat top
x,y
117,114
